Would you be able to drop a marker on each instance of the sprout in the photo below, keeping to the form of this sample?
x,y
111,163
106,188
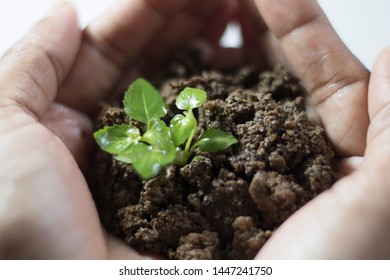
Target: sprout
x,y
160,145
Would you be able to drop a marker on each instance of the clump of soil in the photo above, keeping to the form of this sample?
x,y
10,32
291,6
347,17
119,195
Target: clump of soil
x,y
225,205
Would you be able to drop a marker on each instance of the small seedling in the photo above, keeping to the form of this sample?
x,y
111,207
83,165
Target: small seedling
x,y
161,144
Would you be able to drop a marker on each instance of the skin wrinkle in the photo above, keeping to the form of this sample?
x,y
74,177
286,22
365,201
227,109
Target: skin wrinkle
x,y
31,146
26,173
36,96
330,82
59,68
17,102
35,93
379,104
48,65
341,137
381,126
335,85
322,83
35,39
291,28
8,130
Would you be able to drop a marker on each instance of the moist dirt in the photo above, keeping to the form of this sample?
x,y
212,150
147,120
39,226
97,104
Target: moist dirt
x,y
225,205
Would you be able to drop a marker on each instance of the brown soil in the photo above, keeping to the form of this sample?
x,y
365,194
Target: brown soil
x,y
227,205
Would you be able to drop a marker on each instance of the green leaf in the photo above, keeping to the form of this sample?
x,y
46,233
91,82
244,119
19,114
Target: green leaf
x,y
190,98
143,103
181,127
215,140
159,136
146,160
124,157
117,138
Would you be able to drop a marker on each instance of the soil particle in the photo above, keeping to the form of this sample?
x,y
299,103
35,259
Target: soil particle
x,y
224,205
247,238
195,246
276,196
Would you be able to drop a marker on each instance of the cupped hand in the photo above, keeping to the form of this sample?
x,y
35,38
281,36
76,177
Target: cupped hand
x,y
352,219
50,82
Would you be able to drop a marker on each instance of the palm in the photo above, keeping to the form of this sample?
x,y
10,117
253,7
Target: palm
x,y
60,197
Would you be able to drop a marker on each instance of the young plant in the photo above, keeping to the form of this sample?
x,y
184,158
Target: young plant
x,y
160,145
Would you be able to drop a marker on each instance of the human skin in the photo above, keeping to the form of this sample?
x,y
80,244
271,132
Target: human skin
x,y
52,81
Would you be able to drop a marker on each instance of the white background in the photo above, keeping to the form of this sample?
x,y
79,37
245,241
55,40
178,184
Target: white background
x,y
364,25
281,269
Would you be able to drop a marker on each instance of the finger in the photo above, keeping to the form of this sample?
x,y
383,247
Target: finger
x,y
335,79
119,39
32,71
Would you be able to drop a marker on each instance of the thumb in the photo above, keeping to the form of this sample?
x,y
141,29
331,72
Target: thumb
x,y
33,70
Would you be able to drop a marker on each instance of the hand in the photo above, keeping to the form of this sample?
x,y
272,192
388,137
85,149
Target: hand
x,y
49,83
352,219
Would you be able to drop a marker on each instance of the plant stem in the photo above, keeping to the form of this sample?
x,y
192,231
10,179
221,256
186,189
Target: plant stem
x,y
189,141
191,136
183,157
